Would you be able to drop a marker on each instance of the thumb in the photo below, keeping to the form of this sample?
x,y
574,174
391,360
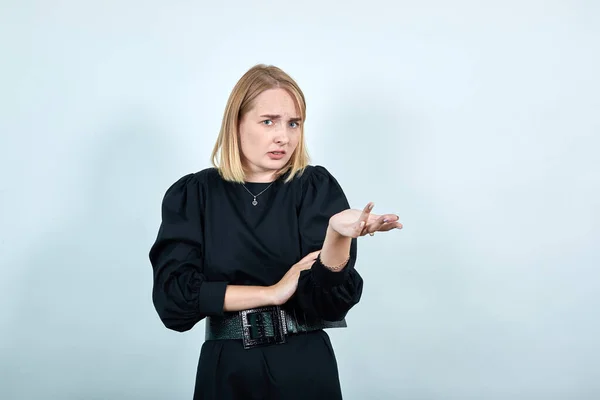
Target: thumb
x,y
359,226
305,265
312,256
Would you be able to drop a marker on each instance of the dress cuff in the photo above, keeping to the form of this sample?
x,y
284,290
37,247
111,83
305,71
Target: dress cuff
x,y
212,298
323,276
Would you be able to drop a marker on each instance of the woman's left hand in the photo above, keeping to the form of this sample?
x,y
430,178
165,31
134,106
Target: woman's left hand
x,y
354,223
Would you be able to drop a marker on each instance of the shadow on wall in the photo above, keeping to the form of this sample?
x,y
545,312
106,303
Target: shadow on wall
x,y
84,326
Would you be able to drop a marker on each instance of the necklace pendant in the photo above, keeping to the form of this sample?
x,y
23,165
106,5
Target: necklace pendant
x,y
254,202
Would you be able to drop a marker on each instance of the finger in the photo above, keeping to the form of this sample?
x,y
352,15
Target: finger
x,y
301,266
305,266
309,260
364,217
383,223
375,223
378,223
367,227
364,230
359,227
371,219
311,256
366,212
390,223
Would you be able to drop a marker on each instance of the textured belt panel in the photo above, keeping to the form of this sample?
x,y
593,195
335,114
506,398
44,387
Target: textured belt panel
x,y
264,322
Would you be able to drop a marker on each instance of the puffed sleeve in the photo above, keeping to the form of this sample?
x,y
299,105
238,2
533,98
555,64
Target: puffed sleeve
x,y
322,292
181,294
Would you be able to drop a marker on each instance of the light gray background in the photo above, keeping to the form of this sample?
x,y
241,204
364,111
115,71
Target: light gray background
x,y
476,122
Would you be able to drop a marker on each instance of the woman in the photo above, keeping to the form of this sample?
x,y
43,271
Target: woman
x,y
263,247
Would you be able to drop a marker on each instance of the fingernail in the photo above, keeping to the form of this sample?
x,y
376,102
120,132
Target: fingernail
x,y
385,221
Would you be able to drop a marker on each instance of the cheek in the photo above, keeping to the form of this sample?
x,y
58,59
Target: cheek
x,y
295,140
253,142
247,137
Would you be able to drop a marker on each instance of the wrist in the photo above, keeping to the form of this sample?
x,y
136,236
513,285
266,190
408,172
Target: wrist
x,y
336,250
268,295
332,233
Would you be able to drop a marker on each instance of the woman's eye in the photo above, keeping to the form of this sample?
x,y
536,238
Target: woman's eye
x,y
267,122
294,124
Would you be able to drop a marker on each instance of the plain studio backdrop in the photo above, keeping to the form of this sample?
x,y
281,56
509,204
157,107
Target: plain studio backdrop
x,y
476,122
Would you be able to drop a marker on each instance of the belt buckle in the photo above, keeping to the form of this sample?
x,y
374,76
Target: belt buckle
x,y
263,338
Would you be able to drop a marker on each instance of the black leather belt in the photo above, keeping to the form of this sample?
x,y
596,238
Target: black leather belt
x,y
264,326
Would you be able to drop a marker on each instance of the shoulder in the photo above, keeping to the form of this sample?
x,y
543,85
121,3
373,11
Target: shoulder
x,y
195,178
193,182
318,181
314,172
321,190
317,175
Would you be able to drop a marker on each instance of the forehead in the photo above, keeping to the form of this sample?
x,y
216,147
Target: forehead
x,y
275,101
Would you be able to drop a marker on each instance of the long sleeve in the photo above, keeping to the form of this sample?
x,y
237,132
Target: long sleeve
x,y
321,292
181,294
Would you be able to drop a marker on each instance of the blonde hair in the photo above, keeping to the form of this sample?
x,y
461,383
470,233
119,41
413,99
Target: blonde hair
x,y
226,155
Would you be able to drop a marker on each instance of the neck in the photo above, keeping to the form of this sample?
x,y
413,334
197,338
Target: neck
x,y
260,177
259,180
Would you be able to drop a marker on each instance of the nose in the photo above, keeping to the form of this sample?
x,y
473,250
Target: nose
x,y
282,137
281,140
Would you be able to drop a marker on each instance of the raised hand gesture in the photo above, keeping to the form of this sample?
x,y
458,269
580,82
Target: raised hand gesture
x,y
354,223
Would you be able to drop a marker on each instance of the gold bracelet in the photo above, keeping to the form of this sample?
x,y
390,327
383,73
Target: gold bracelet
x,y
335,268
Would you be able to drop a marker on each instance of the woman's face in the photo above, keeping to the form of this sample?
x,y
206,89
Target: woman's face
x,y
269,134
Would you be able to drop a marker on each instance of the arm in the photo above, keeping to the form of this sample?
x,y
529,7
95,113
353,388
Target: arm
x,y
349,224
240,297
181,294
336,250
325,291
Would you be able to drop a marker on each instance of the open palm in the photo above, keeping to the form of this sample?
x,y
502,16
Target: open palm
x,y
354,223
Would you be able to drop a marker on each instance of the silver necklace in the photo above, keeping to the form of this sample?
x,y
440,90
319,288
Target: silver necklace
x,y
254,202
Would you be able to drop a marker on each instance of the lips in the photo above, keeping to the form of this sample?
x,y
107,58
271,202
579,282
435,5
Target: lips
x,y
276,155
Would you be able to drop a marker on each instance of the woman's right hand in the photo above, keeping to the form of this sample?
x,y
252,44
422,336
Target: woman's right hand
x,y
286,287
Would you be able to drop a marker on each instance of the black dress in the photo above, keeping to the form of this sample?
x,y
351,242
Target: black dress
x,y
211,236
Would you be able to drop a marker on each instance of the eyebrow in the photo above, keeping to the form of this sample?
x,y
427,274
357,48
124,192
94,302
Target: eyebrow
x,y
275,116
